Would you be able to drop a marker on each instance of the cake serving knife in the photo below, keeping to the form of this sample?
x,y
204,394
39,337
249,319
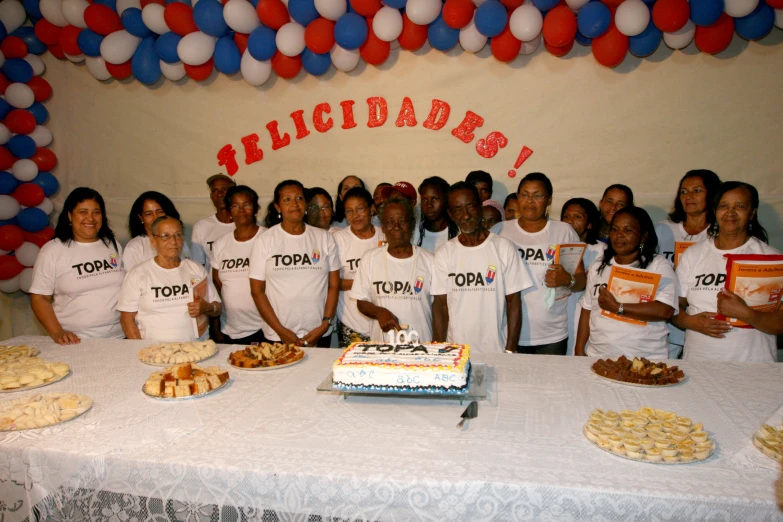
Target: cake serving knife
x,y
470,413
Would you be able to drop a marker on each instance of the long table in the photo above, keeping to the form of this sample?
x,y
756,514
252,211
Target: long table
x,y
269,444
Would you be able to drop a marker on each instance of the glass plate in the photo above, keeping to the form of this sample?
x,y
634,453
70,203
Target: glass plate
x,y
639,385
267,368
175,399
25,388
79,412
643,461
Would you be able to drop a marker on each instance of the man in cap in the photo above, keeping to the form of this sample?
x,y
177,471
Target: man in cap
x,y
400,189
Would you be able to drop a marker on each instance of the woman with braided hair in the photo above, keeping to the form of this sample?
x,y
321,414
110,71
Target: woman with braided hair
x,y
435,227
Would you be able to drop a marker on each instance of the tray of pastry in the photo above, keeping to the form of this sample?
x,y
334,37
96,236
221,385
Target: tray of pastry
x,y
769,440
185,381
42,410
28,373
167,354
638,372
267,356
12,352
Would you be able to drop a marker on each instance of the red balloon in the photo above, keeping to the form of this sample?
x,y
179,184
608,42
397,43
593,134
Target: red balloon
x,y
775,4
40,238
366,8
505,47
29,195
559,51
374,50
179,18
241,40
286,66
458,13
559,26
612,4
47,32
145,3
11,237
4,83
319,36
7,159
670,15
101,19
41,89
20,121
57,51
611,47
200,72
68,38
45,158
272,13
9,267
513,4
716,37
413,36
13,47
121,71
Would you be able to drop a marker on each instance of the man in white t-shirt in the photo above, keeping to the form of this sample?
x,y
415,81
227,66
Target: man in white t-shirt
x,y
478,280
207,230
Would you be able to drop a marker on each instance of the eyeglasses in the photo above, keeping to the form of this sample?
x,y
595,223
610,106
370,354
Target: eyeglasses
x,y
538,196
316,208
244,206
357,211
168,237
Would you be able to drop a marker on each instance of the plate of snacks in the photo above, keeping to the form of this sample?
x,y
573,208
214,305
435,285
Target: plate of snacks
x,y
11,353
266,357
649,435
769,440
42,410
638,372
185,381
28,373
177,353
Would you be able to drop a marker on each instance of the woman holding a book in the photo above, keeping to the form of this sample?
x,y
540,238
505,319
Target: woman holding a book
x,y
631,293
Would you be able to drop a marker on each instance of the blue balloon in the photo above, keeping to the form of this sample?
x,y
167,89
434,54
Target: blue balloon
x,y
3,31
187,2
583,40
132,22
491,18
39,112
27,34
315,64
706,12
5,107
261,43
8,183
646,42
111,4
47,182
302,11
166,47
441,36
32,219
145,63
11,221
227,57
17,70
593,19
89,42
396,4
209,18
350,31
757,24
22,146
545,5
32,7
254,3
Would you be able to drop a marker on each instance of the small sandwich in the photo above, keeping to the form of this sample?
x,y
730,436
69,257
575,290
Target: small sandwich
x,y
154,386
202,385
214,382
182,371
182,390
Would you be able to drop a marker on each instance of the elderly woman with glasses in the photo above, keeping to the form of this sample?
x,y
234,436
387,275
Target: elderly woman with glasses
x,y
168,298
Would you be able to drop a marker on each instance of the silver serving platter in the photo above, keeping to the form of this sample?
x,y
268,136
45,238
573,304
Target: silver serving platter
x,y
643,461
166,365
637,384
10,404
189,397
25,388
267,368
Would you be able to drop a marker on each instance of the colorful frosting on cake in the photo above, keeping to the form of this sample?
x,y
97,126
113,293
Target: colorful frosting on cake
x,y
438,368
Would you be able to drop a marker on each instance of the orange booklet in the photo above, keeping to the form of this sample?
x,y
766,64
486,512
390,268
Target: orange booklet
x,y
631,286
568,255
679,248
201,322
756,278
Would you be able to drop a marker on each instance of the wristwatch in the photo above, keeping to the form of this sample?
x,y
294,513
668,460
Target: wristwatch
x,y
620,309
573,281
329,320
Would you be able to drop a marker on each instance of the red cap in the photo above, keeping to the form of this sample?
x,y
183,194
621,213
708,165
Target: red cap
x,y
405,188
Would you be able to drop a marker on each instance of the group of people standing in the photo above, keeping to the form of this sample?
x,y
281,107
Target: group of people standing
x,y
445,260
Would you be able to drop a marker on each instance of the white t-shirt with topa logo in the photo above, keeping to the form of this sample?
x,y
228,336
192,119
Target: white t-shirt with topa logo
x,y
476,281
431,240
296,270
351,249
231,259
205,232
402,286
160,296
592,252
702,273
140,249
85,281
539,325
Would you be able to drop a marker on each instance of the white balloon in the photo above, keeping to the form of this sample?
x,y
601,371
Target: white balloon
x,y
97,67
387,24
575,5
290,39
394,44
9,286
41,136
241,16
423,12
531,46
25,280
2,58
9,207
172,71
680,39
478,3
75,58
632,17
779,18
343,59
331,9
19,95
3,252
118,47
24,170
36,63
27,253
52,11
122,5
739,8
152,16
196,48
5,134
13,15
255,72
470,39
47,206
525,22
73,11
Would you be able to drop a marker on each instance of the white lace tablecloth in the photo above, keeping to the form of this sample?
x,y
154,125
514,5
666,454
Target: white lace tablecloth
x,y
270,442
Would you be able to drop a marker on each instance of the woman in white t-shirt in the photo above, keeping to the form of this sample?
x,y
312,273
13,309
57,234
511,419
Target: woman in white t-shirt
x,y
320,209
688,223
294,273
702,274
615,197
632,244
230,262
166,298
346,184
544,305
435,227
78,275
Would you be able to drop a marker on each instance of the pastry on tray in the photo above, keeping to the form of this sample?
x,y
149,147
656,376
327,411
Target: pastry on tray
x,y
41,410
10,353
185,380
266,355
29,372
638,371
176,353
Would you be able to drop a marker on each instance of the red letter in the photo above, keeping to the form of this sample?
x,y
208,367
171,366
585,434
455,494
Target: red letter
x,y
301,128
225,157
277,141
378,111
252,152
464,131
318,117
347,106
445,110
406,116
489,147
